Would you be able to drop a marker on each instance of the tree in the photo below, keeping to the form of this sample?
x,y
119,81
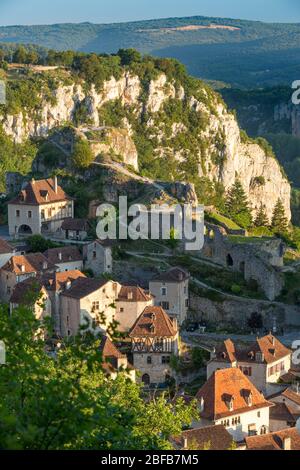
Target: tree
x,y
82,155
279,220
67,402
261,217
129,56
237,206
20,55
37,243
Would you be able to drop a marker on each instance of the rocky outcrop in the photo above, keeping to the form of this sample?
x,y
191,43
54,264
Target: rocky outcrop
x,y
119,143
223,158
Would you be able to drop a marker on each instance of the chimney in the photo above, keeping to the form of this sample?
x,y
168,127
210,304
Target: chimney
x,y
55,184
23,268
185,443
273,340
60,256
287,443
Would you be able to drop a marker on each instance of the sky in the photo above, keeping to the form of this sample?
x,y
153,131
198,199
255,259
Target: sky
x,y
14,12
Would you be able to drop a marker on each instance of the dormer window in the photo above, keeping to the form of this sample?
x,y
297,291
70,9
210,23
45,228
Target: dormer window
x,y
248,397
130,296
259,357
229,400
45,265
23,269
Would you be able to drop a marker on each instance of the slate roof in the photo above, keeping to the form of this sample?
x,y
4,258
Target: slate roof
x,y
6,247
67,253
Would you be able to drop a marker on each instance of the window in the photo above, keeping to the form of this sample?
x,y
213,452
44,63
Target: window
x,y
165,305
165,360
29,214
163,291
67,320
94,254
17,213
246,370
258,414
121,309
43,214
69,333
149,360
9,290
186,302
185,290
95,306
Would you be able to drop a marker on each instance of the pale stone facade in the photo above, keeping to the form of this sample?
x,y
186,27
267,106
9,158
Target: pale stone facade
x,y
171,292
40,208
130,304
85,301
98,257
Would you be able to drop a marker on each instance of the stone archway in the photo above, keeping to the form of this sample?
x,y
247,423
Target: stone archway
x,y
146,379
24,230
229,260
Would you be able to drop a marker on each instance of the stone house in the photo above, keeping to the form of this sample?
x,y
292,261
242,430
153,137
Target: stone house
x,y
55,284
229,398
85,302
114,361
6,252
264,362
287,439
154,340
39,208
283,416
66,258
131,302
171,292
290,396
19,268
75,229
26,291
98,256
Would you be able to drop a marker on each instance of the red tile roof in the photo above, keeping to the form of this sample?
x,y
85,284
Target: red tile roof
x,y
58,281
225,385
109,350
274,441
153,322
133,294
284,412
208,438
63,254
269,346
40,192
292,395
31,263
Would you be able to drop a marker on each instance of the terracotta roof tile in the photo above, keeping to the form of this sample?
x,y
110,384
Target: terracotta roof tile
x,y
274,441
58,281
40,192
30,263
292,395
284,412
210,438
153,322
109,350
133,294
63,254
227,384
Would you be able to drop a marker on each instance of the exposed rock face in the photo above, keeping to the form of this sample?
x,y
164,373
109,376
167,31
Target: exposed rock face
x,y
120,143
224,159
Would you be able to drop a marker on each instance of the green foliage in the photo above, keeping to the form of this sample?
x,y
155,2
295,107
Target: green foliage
x,y
199,357
67,403
82,156
279,220
39,244
14,157
237,207
261,217
129,56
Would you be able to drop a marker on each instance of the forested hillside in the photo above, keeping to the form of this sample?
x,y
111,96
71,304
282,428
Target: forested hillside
x,y
242,53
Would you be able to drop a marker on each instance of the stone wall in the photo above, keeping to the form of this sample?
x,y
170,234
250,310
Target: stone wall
x,y
235,311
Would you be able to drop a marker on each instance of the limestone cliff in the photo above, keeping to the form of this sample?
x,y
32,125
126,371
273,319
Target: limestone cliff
x,y
220,153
